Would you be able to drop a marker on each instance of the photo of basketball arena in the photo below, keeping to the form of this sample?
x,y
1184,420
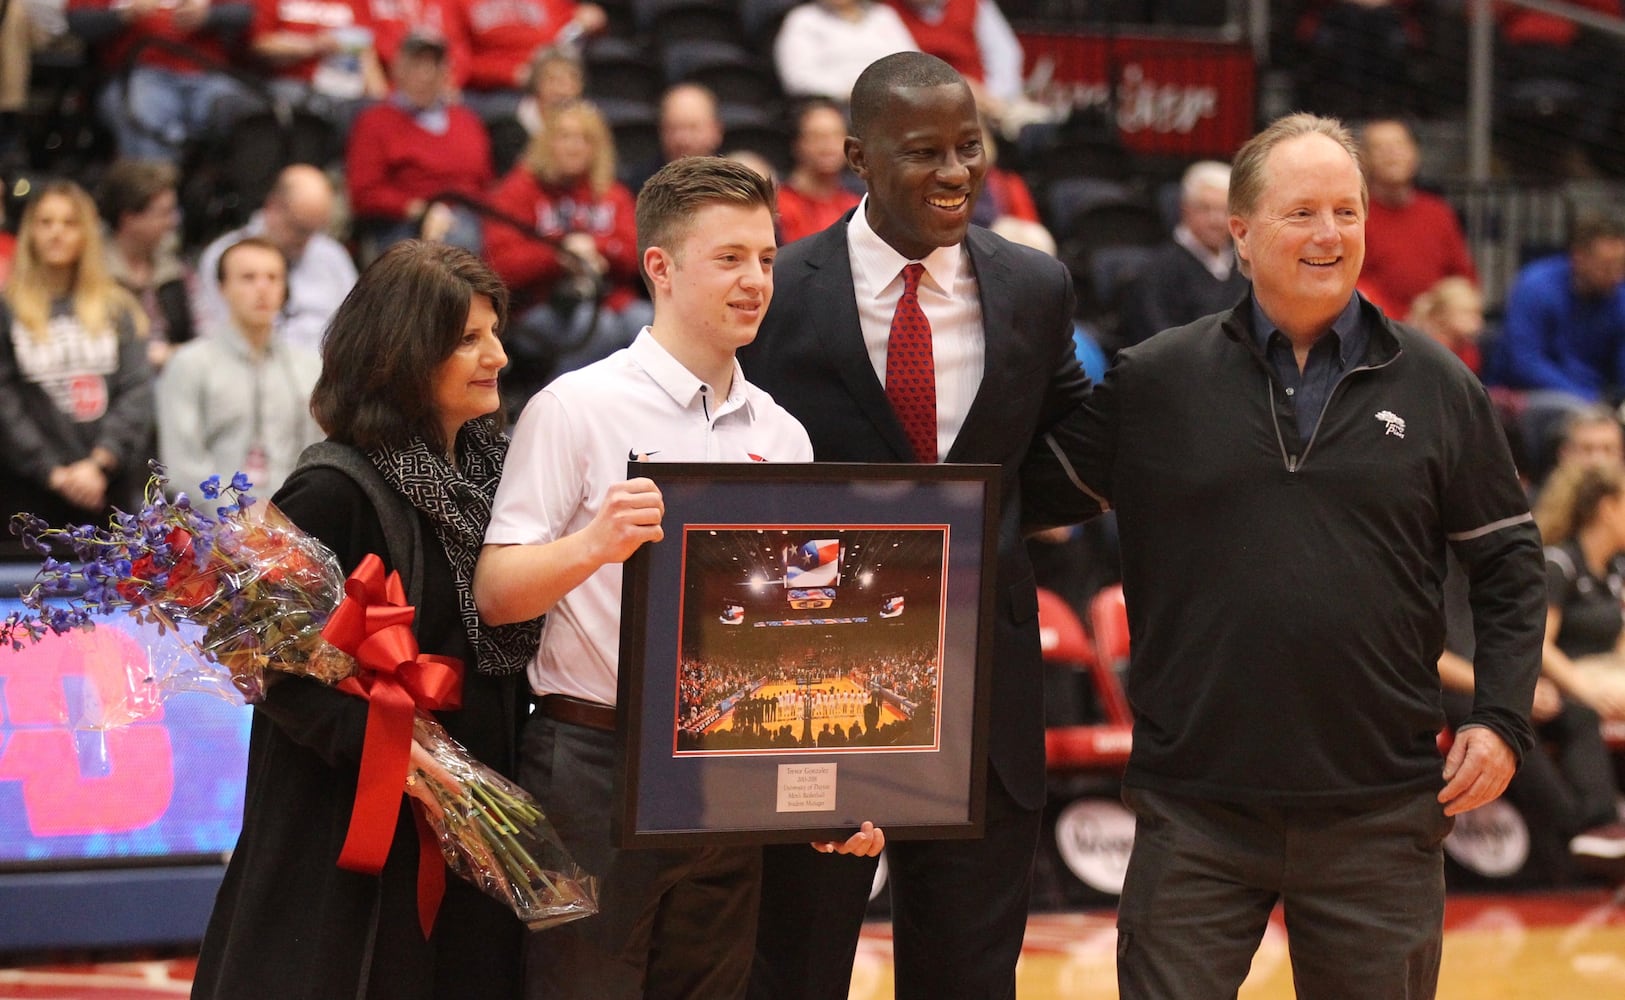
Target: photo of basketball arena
x,y
810,638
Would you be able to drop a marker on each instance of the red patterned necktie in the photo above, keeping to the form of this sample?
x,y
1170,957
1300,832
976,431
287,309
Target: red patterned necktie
x,y
911,372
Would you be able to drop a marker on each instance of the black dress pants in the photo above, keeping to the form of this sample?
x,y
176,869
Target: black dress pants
x,y
959,912
1362,889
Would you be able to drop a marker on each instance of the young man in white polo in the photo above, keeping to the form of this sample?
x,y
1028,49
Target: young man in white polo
x,y
672,923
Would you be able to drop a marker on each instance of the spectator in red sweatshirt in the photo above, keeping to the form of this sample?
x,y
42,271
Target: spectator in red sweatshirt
x,y
1412,238
503,36
568,251
415,147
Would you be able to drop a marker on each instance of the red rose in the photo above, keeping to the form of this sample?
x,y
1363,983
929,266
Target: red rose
x,y
189,585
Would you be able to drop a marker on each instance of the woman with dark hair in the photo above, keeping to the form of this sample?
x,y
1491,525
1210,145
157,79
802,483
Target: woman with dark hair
x,y
409,390
75,389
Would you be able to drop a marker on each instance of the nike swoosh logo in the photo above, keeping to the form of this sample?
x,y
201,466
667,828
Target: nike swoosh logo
x,y
632,454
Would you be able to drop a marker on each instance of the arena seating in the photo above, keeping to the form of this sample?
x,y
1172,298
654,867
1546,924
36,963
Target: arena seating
x,y
1101,745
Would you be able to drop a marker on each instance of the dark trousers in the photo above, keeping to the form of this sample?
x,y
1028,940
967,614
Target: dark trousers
x,y
1362,889
959,912
673,924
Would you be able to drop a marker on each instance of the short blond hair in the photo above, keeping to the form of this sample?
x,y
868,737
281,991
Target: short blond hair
x,y
1247,168
669,200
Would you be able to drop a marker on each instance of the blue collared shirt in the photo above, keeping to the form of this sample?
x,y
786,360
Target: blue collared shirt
x,y
1337,352
434,119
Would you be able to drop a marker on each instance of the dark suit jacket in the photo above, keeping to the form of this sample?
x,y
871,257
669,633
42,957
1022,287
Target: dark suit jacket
x,y
1173,289
810,355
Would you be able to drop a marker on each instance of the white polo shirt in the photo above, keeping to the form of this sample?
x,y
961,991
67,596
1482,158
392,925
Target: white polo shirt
x,y
571,445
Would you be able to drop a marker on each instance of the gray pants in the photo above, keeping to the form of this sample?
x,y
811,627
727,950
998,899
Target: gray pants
x,y
1362,889
671,923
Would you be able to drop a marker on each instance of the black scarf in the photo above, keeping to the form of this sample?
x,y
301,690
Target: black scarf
x,y
458,503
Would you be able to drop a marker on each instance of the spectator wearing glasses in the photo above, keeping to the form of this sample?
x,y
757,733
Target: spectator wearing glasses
x,y
295,217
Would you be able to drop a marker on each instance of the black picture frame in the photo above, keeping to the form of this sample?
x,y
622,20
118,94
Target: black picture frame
x,y
704,642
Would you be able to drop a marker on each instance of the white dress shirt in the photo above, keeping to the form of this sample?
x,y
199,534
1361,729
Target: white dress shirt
x,y
948,294
1218,264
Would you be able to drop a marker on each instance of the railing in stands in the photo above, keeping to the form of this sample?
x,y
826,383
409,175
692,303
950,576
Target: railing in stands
x,y
1481,66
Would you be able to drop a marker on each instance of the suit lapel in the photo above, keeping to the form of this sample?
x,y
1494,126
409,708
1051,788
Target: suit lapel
x,y
833,314
981,431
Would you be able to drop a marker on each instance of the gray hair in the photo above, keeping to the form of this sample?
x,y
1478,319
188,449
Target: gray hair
x,y
1203,174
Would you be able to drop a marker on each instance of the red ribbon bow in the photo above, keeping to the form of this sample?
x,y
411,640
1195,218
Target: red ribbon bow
x,y
374,624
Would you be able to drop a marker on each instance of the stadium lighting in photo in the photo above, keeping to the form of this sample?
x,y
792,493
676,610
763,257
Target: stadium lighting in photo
x,y
807,637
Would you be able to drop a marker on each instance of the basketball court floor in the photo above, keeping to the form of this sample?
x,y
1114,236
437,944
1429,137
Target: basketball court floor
x,y
1567,946
1545,946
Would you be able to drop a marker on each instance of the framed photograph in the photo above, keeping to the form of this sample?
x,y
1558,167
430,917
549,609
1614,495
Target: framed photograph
x,y
806,649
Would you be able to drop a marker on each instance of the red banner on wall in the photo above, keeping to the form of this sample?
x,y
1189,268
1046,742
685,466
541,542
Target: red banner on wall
x,y
1175,97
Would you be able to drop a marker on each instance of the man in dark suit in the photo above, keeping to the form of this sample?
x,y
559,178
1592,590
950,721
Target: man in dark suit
x,y
999,370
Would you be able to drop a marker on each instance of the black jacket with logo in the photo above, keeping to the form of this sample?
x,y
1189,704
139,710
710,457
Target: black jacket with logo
x,y
1284,594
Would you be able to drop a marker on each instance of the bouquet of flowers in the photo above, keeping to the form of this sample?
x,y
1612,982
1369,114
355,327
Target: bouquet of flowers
x,y
252,597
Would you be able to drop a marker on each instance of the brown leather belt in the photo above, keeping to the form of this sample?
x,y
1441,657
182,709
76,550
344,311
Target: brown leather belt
x,y
576,711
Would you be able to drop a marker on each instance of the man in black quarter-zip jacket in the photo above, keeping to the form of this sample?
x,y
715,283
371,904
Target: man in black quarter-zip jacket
x,y
1287,477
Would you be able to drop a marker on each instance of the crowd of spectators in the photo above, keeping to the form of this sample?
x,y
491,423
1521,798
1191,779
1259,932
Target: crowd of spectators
x,y
441,106
844,716
703,684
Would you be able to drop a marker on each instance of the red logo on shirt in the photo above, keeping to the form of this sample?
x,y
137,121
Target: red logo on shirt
x,y
89,395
